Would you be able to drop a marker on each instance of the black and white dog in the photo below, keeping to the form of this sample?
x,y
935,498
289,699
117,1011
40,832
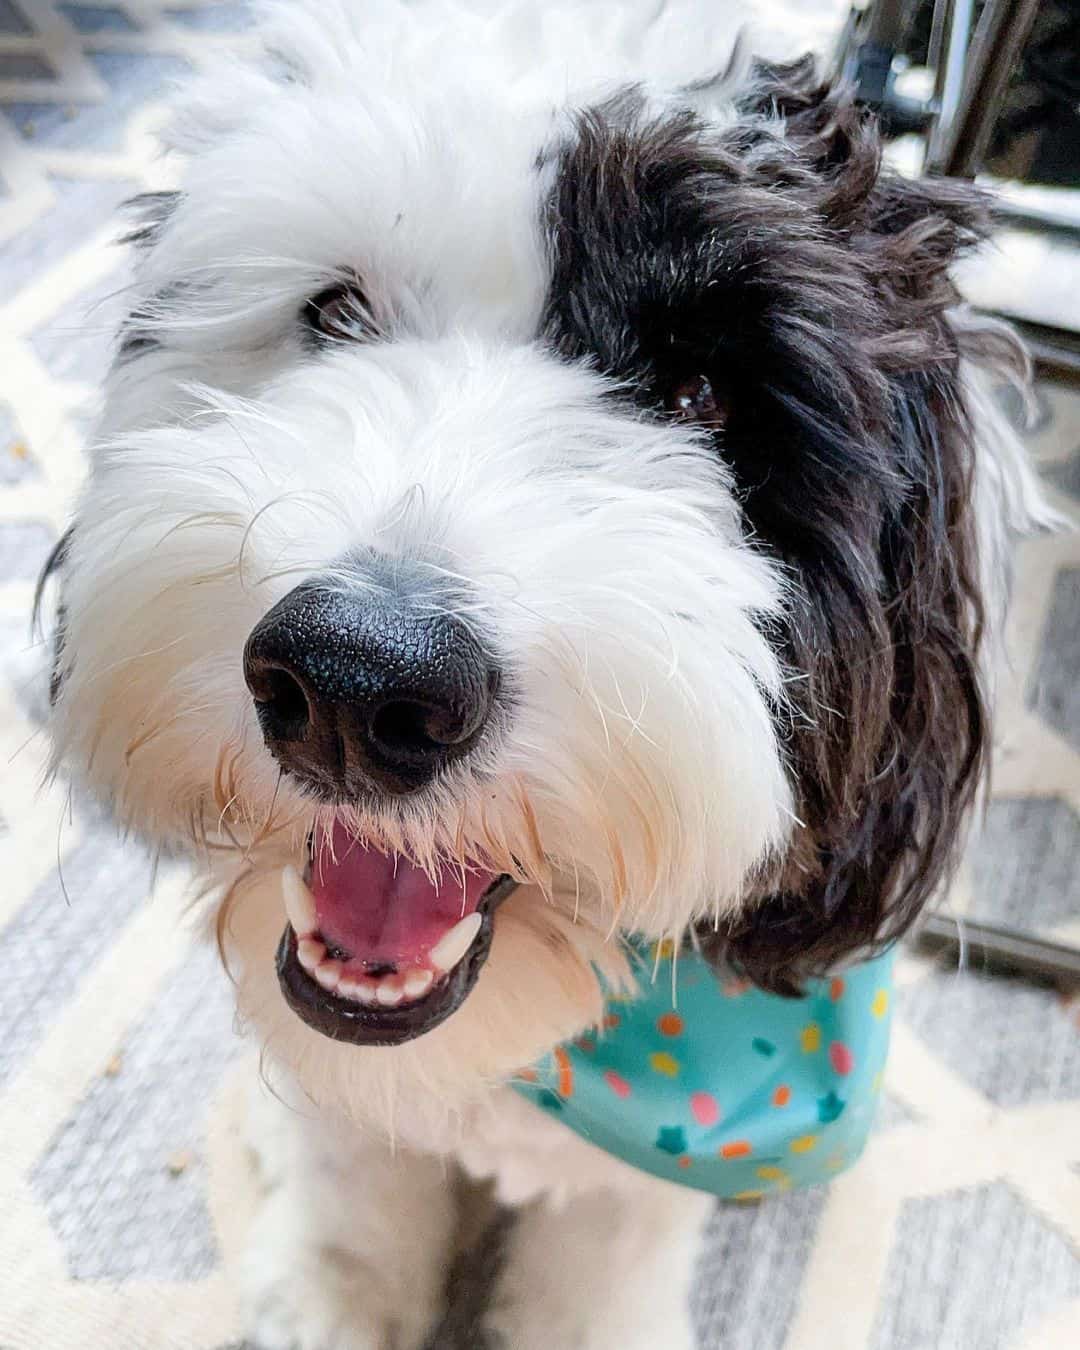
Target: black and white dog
x,y
529,455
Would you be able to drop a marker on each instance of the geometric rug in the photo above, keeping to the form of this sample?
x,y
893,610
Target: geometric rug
x,y
124,1184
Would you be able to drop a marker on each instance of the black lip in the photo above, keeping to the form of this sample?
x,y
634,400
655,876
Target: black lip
x,y
359,1024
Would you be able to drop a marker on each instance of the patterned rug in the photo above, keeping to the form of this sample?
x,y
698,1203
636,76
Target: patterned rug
x,y
124,1190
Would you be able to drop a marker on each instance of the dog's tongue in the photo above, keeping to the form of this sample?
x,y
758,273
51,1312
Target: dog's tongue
x,y
381,909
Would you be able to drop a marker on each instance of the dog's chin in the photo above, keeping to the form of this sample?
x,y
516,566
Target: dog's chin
x,y
535,978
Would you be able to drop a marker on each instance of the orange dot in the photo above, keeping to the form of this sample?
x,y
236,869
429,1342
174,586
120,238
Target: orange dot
x,y
782,1095
836,990
670,1024
611,1021
566,1072
684,1162
527,1075
737,1148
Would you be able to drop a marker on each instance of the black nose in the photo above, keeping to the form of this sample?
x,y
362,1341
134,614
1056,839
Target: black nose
x,y
355,688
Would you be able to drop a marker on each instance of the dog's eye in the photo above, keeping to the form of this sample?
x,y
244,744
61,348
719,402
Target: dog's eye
x,y
697,401
341,311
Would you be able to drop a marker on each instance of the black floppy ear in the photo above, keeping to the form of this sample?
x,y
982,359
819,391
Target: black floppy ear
x,y
889,732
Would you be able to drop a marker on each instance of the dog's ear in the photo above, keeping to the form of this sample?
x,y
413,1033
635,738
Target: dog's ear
x,y
872,513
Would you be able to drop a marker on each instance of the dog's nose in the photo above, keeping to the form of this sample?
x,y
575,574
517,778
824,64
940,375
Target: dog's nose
x,y
356,688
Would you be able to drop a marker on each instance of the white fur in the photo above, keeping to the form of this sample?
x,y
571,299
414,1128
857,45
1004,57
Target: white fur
x,y
638,784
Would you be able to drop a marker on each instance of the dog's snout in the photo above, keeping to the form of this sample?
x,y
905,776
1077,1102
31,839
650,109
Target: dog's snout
x,y
360,688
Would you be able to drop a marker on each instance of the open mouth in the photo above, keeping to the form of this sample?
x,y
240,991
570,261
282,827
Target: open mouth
x,y
375,952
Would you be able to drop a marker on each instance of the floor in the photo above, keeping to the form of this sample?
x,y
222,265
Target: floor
x,y
123,1179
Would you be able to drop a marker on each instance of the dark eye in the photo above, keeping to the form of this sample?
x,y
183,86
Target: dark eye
x,y
695,400
341,311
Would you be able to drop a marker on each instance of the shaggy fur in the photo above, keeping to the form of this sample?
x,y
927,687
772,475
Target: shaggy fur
x,y
431,296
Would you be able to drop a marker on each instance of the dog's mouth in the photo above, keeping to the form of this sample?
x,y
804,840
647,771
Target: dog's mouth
x,y
376,952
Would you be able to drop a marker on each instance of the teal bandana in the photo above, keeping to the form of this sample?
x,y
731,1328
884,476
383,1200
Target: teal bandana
x,y
713,1084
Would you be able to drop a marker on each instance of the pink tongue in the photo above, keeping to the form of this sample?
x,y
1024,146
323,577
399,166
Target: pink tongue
x,y
380,908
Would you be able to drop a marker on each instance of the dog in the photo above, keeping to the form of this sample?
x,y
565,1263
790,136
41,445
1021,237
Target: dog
x,y
549,498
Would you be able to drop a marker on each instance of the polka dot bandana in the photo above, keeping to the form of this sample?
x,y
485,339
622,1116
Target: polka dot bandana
x,y
716,1085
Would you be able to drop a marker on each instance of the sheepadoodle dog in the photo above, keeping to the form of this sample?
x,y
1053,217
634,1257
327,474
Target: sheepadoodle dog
x,y
548,501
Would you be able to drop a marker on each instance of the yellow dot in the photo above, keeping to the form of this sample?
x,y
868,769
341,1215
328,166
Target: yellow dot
x,y
664,1063
880,1005
749,1195
19,450
771,1173
875,1082
836,1162
804,1143
664,950
810,1038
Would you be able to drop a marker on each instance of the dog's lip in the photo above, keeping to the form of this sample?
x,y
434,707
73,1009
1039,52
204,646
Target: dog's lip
x,y
356,1023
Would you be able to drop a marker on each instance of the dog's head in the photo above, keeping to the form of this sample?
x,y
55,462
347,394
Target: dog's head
x,y
577,495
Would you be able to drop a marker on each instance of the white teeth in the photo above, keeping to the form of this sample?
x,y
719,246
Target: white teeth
x,y
359,990
309,952
328,974
418,982
299,902
389,992
450,949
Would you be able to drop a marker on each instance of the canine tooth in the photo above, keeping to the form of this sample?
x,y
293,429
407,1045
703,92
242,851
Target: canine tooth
x,y
388,991
299,902
309,952
328,974
418,982
449,950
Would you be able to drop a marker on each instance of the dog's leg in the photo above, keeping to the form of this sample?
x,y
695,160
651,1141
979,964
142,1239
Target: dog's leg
x,y
349,1246
610,1270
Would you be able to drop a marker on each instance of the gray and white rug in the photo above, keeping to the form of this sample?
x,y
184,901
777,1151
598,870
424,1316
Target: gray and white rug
x,y
124,1189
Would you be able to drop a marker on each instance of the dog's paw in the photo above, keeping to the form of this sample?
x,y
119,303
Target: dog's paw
x,y
315,1310
300,1297
539,1325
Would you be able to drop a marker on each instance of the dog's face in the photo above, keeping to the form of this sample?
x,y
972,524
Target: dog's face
x,y
575,497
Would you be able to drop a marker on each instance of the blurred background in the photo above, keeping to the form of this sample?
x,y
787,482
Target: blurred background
x,y
123,1176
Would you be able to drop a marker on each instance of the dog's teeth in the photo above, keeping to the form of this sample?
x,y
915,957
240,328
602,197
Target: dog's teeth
x,y
309,952
450,949
357,988
299,902
389,992
328,974
418,982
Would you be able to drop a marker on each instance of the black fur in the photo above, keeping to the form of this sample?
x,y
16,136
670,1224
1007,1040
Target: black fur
x,y
810,287
153,211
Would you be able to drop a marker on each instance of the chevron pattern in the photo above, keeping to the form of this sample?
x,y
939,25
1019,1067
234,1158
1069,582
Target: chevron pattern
x,y
124,1189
